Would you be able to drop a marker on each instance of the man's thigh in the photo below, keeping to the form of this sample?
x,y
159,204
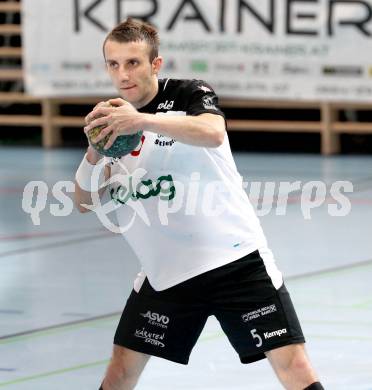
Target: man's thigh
x,y
255,314
164,324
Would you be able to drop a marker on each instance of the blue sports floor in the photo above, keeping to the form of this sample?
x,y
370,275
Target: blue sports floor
x,y
63,283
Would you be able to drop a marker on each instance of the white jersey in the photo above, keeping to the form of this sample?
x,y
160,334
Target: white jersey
x,y
184,207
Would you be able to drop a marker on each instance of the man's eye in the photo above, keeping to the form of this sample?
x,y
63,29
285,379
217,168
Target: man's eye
x,y
113,65
133,62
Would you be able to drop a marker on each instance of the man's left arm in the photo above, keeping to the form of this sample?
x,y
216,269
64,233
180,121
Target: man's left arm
x,y
207,130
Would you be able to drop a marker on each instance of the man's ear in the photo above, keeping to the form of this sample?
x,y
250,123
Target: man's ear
x,y
156,65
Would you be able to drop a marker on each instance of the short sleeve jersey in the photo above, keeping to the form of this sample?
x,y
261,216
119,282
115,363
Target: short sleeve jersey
x,y
183,208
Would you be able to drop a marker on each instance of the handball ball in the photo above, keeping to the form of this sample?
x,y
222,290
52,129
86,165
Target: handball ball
x,y
123,145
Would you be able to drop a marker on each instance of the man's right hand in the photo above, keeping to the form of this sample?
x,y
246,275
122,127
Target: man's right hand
x,y
92,155
100,104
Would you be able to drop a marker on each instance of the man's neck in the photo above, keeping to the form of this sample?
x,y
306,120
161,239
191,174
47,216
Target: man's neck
x,y
154,92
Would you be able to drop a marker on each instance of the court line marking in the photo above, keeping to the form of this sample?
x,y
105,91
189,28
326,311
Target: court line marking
x,y
48,329
330,270
11,311
104,234
78,324
55,372
85,365
27,334
47,234
101,362
67,327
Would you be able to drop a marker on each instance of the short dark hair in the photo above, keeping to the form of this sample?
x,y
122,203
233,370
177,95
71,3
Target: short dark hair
x,y
134,30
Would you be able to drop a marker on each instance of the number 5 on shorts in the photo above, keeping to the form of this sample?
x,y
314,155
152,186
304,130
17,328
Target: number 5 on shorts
x,y
256,336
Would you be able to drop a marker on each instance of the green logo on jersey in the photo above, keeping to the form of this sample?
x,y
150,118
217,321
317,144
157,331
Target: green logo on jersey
x,y
163,186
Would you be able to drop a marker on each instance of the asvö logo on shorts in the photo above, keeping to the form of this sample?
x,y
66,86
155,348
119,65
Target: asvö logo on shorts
x,y
156,319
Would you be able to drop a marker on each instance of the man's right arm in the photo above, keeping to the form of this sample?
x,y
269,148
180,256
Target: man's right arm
x,y
83,174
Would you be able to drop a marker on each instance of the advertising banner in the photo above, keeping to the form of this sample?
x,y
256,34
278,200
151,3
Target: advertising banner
x,y
260,49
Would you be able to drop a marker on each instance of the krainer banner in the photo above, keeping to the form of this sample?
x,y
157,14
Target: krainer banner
x,y
277,49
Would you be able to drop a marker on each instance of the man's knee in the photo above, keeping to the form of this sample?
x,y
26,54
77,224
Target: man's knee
x,y
298,361
292,365
290,357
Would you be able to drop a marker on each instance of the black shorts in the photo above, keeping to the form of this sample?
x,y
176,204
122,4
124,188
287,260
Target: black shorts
x,y
254,315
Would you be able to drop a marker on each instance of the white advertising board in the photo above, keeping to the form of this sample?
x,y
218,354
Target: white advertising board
x,y
261,49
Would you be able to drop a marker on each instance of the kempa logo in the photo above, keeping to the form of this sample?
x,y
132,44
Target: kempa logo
x,y
278,332
160,320
166,105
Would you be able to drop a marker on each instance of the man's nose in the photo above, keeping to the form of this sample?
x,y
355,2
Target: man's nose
x,y
123,74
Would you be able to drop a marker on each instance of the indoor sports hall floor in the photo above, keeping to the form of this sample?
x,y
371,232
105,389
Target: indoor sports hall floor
x,y
64,282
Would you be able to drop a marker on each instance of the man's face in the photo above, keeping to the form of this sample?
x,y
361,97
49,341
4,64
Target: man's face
x,y
131,72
